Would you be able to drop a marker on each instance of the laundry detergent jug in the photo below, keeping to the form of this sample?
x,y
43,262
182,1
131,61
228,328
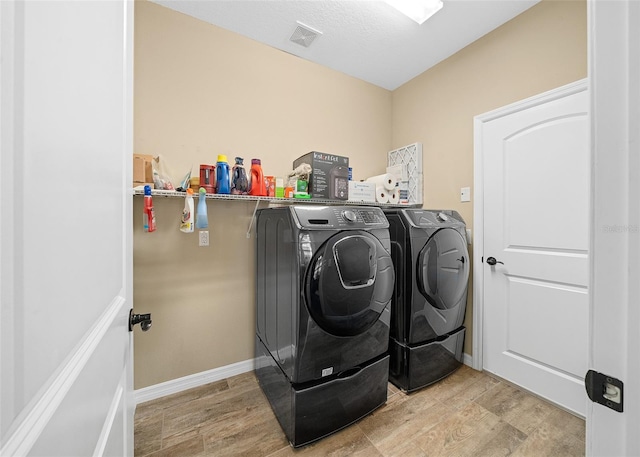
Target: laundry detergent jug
x,y
258,186
222,175
239,180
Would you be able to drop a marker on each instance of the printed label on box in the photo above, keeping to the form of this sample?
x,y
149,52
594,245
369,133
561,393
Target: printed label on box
x,y
362,191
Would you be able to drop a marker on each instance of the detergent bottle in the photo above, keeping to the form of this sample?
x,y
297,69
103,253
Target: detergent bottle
x,y
239,181
207,178
258,186
222,175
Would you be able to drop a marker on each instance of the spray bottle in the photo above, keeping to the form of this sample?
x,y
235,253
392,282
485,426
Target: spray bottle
x,y
201,218
186,222
148,216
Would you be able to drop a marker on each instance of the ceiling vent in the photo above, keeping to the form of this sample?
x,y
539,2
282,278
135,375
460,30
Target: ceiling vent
x,y
304,35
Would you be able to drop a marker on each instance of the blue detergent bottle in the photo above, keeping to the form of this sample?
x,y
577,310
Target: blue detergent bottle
x,y
222,175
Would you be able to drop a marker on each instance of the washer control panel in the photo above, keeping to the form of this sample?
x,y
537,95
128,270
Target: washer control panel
x,y
349,215
339,217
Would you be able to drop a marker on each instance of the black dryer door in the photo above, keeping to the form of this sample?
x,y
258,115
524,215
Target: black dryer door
x,y
349,282
443,269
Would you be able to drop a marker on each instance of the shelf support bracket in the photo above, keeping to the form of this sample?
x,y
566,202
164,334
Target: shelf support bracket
x,y
253,217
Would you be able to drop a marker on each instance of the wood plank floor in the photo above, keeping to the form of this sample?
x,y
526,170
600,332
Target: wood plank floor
x,y
468,414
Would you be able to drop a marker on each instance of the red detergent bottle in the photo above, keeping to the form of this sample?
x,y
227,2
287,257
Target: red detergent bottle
x,y
258,187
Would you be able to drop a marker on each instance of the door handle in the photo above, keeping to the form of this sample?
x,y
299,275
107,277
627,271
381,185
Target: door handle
x,y
492,261
143,319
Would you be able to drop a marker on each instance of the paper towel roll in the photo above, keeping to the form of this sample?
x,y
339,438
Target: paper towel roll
x,y
394,196
387,180
382,196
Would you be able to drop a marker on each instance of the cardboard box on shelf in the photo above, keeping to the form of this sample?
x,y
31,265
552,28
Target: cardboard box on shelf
x,y
329,175
280,187
142,169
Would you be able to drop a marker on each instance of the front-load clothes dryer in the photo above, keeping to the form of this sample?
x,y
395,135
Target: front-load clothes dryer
x,y
324,281
429,251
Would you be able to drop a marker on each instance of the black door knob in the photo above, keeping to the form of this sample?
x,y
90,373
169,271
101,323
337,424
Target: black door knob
x,y
492,261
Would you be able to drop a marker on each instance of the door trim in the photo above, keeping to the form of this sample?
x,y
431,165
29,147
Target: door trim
x,y
478,207
614,72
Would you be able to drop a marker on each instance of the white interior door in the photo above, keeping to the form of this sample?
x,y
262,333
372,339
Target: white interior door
x,y
65,226
536,227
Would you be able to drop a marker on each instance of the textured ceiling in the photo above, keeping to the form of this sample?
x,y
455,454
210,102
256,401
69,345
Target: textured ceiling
x,y
366,39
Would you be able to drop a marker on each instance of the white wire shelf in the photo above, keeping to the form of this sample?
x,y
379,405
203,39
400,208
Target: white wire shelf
x,y
271,200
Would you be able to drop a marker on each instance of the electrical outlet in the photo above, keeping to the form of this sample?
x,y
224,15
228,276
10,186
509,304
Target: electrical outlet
x,y
204,238
465,194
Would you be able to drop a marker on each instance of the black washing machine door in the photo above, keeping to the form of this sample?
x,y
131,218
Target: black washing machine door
x,y
442,277
348,283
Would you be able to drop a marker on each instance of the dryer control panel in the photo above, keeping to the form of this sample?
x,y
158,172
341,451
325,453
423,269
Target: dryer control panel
x,y
434,218
339,217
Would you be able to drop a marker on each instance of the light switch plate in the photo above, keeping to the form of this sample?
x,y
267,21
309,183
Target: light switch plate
x,y
465,194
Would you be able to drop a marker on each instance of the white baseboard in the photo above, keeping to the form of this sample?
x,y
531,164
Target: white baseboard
x,y
195,380
199,379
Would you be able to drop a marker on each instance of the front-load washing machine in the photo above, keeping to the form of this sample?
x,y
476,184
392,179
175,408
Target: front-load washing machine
x,y
324,282
429,251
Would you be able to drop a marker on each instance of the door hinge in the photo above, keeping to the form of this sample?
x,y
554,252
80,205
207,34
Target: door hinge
x,y
603,389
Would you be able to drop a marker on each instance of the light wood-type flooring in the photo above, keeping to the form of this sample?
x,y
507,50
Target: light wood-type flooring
x,y
467,414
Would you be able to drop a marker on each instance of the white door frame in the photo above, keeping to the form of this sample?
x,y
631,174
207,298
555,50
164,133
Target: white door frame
x,y
478,209
614,74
